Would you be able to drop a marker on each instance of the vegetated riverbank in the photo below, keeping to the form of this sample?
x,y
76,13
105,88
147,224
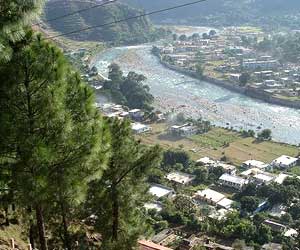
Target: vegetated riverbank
x,y
248,91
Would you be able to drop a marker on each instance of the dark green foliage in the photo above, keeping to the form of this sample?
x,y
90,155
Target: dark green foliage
x,y
118,197
264,135
244,79
249,203
50,131
171,157
201,174
128,90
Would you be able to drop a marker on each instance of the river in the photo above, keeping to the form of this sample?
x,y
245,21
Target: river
x,y
196,98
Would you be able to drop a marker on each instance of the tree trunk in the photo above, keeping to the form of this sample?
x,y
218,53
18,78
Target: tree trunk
x,y
31,234
41,227
115,214
67,242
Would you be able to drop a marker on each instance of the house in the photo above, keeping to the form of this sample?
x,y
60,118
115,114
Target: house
x,y
180,178
183,130
232,181
281,177
276,227
263,178
161,191
254,164
229,169
149,245
225,203
136,114
190,243
165,237
284,162
205,161
139,128
210,196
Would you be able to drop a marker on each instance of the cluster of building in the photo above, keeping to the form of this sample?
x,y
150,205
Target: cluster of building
x,y
218,202
226,57
121,112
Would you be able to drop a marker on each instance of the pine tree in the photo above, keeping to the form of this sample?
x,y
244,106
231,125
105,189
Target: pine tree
x,y
50,131
14,15
117,198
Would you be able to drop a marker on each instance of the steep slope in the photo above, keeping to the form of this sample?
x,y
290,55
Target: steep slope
x,y
132,31
226,12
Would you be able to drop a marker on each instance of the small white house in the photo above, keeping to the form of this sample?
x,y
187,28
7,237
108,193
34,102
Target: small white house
x,y
161,191
180,178
139,128
254,164
232,181
285,162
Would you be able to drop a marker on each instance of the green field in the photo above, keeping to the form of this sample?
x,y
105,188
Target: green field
x,y
218,143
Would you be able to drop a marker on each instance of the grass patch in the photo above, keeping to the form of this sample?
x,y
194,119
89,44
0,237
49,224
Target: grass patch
x,y
214,144
215,138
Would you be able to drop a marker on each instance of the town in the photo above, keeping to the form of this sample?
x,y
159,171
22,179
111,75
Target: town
x,y
234,58
211,189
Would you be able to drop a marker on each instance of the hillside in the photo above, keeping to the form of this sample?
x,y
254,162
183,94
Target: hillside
x,y
227,12
132,31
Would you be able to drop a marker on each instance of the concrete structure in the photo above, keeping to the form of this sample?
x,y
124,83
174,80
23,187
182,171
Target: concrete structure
x,y
206,161
285,162
161,191
139,128
149,245
232,181
254,164
210,196
180,178
225,203
136,114
272,246
229,169
183,130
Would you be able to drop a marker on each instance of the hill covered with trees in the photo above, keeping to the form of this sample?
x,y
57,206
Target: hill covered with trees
x,y
228,12
132,31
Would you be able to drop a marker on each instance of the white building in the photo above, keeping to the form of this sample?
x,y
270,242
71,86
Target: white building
x,y
161,191
254,164
284,161
183,130
206,161
210,196
180,178
139,128
232,181
225,203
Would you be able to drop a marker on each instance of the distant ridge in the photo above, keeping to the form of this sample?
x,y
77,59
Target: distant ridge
x,y
133,31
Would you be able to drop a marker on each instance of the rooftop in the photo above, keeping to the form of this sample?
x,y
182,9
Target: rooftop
x,y
255,164
210,194
285,160
159,190
180,177
148,245
225,203
233,179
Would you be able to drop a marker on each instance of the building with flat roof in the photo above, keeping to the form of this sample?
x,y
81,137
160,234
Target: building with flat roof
x,y
232,181
149,245
210,196
139,128
180,178
284,161
161,191
254,164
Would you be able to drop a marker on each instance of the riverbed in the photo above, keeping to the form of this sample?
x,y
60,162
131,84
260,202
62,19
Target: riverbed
x,y
195,98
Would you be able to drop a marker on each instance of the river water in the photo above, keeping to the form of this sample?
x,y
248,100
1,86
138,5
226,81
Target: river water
x,y
196,98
